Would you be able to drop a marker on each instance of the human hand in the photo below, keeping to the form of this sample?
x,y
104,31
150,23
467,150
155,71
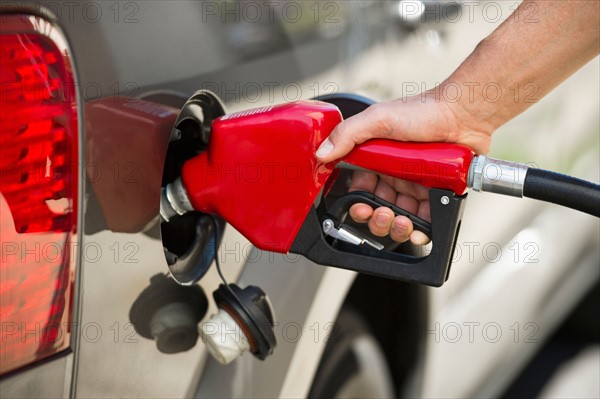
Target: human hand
x,y
419,118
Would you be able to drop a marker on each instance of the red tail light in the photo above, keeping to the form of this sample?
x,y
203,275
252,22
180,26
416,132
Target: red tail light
x,y
38,186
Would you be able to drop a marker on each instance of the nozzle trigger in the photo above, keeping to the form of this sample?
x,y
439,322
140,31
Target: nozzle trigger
x,y
339,208
348,234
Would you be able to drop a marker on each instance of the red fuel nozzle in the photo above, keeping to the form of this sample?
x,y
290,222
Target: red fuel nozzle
x,y
260,172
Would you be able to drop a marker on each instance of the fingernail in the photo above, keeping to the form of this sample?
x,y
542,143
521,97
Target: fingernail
x,y
325,148
399,229
419,238
382,220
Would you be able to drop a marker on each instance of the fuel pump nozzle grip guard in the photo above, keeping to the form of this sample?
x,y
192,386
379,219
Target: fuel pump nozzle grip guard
x,y
431,269
260,174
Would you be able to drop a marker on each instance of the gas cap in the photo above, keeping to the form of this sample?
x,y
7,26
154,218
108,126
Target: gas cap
x,y
244,322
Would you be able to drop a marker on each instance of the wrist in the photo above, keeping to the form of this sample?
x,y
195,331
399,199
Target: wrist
x,y
482,94
469,122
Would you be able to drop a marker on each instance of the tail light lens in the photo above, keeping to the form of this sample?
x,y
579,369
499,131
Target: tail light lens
x,y
38,187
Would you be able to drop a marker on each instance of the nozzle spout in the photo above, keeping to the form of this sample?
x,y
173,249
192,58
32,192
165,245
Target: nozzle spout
x,y
174,200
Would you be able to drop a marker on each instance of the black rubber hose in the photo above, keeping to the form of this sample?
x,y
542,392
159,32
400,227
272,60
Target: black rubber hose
x,y
563,190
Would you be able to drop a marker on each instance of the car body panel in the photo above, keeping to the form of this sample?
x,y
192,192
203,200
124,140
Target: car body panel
x,y
49,379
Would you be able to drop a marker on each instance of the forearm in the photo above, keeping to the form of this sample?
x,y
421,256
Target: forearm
x,y
531,53
526,57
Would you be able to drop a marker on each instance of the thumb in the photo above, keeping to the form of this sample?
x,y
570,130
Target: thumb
x,y
350,132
